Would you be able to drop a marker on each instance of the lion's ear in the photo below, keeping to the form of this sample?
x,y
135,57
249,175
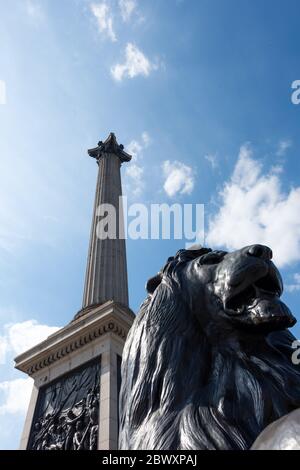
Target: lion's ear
x,y
153,283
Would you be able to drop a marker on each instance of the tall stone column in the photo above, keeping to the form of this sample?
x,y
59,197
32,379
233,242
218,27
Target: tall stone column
x,y
106,272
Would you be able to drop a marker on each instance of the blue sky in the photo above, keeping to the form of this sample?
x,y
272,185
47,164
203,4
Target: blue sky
x,y
198,90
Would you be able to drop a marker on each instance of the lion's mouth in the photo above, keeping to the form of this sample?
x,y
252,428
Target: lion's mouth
x,y
267,286
258,304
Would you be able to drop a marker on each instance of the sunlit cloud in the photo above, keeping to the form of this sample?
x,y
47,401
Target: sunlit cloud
x,y
134,174
15,396
15,339
18,337
295,286
283,147
212,160
135,63
179,178
34,11
127,8
254,209
103,15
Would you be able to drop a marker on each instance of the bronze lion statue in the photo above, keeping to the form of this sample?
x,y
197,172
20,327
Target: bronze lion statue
x,y
207,363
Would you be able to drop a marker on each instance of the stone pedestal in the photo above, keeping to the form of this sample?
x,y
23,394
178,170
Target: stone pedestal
x,y
96,338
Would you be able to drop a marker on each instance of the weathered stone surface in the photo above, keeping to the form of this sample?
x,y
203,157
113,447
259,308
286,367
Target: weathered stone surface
x,y
106,273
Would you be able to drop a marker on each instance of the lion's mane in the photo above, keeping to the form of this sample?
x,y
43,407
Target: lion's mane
x,y
180,391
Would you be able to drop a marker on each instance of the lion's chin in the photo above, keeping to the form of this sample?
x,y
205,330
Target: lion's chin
x,y
265,314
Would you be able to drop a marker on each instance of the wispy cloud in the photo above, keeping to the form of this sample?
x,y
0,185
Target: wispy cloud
x,y
15,339
254,209
15,396
135,63
104,18
283,147
135,147
212,160
146,139
135,179
179,178
295,286
127,8
34,11
134,173
18,337
2,92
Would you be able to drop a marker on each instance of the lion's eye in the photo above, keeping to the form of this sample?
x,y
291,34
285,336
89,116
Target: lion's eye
x,y
212,258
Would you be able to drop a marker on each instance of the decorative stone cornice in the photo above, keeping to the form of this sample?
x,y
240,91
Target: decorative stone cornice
x,y
110,317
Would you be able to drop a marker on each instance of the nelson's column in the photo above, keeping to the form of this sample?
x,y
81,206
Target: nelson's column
x,y
76,371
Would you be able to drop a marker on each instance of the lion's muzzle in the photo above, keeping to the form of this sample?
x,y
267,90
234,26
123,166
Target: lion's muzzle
x,y
249,286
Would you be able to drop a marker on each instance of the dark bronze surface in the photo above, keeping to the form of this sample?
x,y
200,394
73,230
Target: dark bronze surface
x,y
207,363
67,412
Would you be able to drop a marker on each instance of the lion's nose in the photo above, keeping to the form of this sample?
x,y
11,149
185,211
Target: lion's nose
x,y
260,251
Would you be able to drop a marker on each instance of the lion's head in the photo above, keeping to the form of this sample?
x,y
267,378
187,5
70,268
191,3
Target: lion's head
x,y
207,363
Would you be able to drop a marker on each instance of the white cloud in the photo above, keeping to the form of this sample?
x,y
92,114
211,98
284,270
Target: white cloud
x,y
146,139
2,92
15,393
136,63
282,147
127,8
212,159
134,173
3,349
104,18
135,147
179,178
34,11
254,209
18,337
297,277
277,169
135,176
296,284
15,396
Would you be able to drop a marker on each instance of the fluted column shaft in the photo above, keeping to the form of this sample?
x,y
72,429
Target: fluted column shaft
x,y
106,273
